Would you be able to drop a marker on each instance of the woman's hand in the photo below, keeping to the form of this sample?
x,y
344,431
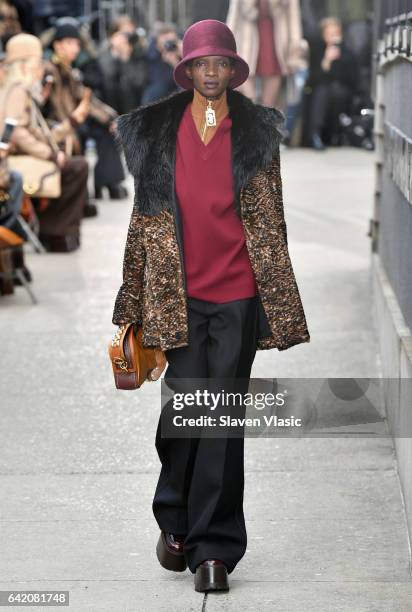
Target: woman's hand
x,y
81,111
332,52
61,158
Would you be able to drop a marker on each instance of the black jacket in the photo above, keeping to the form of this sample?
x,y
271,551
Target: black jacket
x,y
344,70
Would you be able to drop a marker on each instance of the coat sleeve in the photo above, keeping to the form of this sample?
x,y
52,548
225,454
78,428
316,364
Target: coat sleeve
x,y
61,130
275,183
25,139
128,304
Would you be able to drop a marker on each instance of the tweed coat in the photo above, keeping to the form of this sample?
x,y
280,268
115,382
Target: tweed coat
x,y
153,291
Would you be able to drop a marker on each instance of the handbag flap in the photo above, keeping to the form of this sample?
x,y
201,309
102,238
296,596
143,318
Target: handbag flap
x,y
36,172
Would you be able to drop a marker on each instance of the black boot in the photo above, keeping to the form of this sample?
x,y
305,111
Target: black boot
x,y
61,243
117,192
90,209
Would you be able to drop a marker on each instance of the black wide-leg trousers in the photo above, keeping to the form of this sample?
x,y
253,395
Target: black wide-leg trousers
x,y
199,493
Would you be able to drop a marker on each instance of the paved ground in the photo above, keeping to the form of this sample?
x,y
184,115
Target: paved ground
x,y
326,525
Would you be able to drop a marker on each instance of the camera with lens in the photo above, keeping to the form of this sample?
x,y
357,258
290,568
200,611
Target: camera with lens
x,y
170,45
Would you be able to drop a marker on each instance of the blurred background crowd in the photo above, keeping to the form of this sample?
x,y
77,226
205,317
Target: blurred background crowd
x,y
69,68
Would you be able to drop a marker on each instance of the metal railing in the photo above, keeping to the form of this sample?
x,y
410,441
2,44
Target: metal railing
x,y
392,34
392,44
393,28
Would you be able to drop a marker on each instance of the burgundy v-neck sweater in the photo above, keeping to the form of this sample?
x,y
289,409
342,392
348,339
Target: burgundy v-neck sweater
x,y
216,259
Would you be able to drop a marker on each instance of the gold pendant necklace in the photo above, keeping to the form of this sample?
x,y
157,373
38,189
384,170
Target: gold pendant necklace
x,y
210,114
210,118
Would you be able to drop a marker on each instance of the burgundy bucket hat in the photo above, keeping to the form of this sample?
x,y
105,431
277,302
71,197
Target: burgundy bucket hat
x,y
209,37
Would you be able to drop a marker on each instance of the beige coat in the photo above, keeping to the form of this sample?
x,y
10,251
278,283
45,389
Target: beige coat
x,y
28,136
287,29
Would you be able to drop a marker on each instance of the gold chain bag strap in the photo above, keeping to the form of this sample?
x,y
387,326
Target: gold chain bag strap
x,y
41,177
132,362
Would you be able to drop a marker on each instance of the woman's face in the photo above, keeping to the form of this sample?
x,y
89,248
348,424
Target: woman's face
x,y
332,34
33,69
68,49
211,74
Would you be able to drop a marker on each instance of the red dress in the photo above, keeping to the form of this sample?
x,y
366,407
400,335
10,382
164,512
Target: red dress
x,y
267,62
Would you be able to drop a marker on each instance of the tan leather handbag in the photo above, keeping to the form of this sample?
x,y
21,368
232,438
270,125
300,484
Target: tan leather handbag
x,y
41,177
132,362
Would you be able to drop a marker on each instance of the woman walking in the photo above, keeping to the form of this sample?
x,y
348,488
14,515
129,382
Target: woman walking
x,y
269,36
207,273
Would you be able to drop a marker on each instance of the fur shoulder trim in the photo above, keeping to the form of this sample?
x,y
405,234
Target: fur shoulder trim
x,y
148,136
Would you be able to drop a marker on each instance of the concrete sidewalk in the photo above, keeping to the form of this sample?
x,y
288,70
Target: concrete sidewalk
x,y
78,467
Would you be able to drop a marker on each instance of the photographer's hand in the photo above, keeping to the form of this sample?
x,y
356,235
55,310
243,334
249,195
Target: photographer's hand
x,y
171,57
331,53
4,151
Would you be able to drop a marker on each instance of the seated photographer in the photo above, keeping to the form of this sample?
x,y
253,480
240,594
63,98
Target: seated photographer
x,y
332,81
118,74
60,220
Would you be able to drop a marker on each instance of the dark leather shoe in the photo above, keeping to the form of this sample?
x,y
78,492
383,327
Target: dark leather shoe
x,y
117,192
61,243
90,209
211,575
317,142
169,551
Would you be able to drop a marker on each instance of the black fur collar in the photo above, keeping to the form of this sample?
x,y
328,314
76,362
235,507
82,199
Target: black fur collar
x,y
148,137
